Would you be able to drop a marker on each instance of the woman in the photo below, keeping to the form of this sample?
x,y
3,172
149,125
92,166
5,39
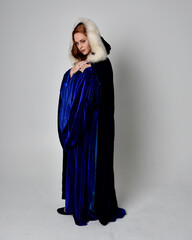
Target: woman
x,y
86,129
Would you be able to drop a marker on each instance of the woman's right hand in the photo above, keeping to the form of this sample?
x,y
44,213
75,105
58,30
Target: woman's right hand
x,y
76,67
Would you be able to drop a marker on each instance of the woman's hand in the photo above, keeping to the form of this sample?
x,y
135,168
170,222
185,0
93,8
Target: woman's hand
x,y
80,66
77,67
84,67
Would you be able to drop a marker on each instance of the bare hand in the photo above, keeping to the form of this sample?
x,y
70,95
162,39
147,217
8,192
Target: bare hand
x,y
77,67
84,67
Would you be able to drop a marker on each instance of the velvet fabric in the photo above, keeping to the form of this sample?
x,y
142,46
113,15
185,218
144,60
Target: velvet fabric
x,y
78,121
106,205
86,130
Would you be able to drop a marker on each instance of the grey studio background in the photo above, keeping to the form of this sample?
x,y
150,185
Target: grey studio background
x,y
151,57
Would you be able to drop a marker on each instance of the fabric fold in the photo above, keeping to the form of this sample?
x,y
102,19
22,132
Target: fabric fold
x,y
78,124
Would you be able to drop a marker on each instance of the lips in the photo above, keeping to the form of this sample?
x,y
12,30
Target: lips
x,y
82,50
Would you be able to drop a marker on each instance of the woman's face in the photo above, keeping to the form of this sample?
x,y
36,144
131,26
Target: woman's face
x,y
82,43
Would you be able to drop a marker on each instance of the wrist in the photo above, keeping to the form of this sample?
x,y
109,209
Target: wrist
x,y
71,73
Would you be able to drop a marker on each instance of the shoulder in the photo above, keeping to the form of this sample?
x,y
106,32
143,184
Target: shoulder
x,y
102,66
103,69
104,63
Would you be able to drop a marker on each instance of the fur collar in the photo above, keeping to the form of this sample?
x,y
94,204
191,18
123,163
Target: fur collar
x,y
98,51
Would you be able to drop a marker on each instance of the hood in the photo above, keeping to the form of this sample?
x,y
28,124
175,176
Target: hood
x,y
99,47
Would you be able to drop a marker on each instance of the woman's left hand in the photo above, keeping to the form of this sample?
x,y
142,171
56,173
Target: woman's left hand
x,y
84,67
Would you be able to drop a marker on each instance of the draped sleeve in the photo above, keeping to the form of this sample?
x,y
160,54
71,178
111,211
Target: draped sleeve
x,y
79,96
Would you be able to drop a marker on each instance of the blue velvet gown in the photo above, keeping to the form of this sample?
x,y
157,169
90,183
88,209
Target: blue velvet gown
x,y
78,123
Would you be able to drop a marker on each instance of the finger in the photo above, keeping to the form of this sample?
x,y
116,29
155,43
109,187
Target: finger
x,y
83,63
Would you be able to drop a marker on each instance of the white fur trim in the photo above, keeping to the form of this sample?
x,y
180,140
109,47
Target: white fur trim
x,y
98,51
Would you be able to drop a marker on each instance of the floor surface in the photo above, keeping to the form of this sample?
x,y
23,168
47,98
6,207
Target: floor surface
x,y
28,212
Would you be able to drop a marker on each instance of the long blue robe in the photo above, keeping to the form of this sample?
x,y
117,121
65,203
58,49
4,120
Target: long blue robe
x,y
86,132
78,121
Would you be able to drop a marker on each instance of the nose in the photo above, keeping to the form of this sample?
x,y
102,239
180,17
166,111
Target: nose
x,y
80,46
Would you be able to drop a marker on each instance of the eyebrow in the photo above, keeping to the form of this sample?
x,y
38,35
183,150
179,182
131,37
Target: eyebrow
x,y
80,40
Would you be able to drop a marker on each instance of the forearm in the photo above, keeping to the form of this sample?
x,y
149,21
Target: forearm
x,y
71,73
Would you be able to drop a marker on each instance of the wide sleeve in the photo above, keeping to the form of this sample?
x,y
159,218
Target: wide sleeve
x,y
84,100
64,104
